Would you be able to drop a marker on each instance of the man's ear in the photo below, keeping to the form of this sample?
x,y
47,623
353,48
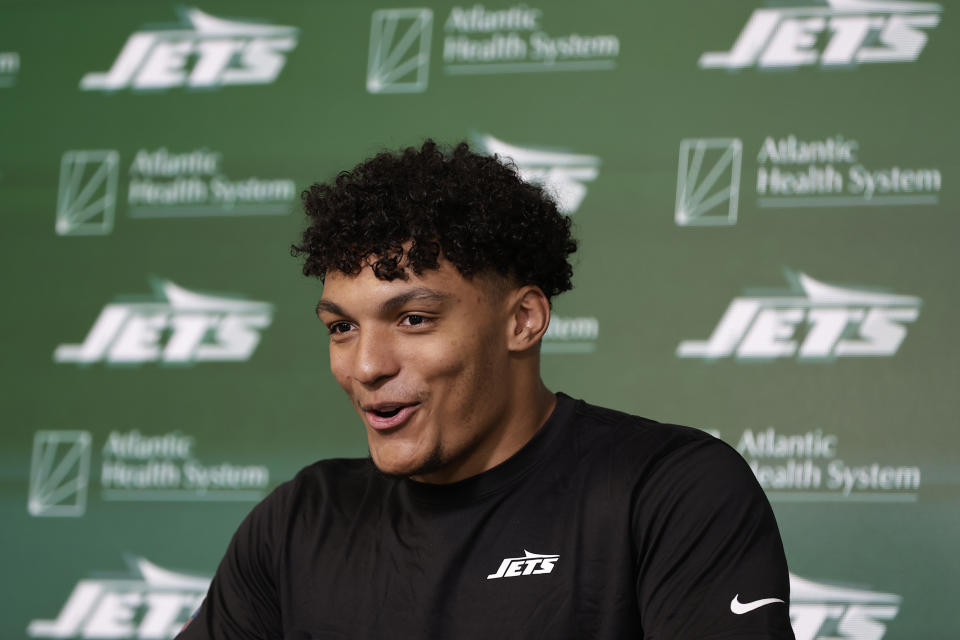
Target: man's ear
x,y
529,317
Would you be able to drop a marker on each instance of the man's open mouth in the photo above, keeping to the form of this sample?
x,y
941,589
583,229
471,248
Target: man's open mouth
x,y
388,415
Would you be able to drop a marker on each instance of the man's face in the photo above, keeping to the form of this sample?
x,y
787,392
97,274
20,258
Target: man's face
x,y
425,364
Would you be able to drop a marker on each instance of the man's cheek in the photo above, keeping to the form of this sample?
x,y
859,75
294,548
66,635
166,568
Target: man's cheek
x,y
340,375
444,359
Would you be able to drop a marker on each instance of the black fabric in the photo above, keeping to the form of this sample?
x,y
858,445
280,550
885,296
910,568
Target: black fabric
x,y
655,528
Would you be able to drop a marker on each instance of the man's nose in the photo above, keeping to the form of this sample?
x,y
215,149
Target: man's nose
x,y
375,357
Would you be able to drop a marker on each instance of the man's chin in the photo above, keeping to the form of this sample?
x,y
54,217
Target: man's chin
x,y
407,466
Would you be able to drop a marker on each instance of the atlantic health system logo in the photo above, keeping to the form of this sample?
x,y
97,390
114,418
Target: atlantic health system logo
x,y
811,321
175,327
87,196
132,467
476,41
160,183
203,52
399,58
792,172
59,474
809,467
700,197
831,33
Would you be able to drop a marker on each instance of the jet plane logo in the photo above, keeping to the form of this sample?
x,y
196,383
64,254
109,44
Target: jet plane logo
x,y
820,610
150,603
822,322
177,327
834,33
563,174
399,59
203,53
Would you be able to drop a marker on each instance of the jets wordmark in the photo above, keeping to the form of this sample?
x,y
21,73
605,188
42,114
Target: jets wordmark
x,y
845,33
839,322
213,53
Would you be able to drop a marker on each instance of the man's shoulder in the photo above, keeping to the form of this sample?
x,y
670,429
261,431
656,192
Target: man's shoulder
x,y
603,427
639,451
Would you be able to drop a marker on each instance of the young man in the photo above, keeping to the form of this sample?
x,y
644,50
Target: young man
x,y
490,507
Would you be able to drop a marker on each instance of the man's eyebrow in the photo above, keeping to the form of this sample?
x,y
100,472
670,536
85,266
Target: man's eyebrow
x,y
330,307
420,294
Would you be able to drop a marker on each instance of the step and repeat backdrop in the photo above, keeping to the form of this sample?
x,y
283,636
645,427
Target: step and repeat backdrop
x,y
765,195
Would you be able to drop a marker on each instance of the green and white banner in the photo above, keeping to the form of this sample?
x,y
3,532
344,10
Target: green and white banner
x,y
766,198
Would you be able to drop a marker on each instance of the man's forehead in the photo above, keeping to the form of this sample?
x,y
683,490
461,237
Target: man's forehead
x,y
445,282
366,277
366,286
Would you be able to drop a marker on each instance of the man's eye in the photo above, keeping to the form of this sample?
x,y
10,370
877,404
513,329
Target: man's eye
x,y
339,327
413,320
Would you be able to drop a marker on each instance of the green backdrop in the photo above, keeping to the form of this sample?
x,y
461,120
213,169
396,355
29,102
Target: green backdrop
x,y
764,195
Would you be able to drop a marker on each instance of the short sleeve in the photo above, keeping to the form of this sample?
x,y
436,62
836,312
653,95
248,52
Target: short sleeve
x,y
710,558
243,600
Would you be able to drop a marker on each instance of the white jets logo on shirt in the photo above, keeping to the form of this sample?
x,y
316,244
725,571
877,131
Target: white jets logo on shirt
x,y
740,608
529,564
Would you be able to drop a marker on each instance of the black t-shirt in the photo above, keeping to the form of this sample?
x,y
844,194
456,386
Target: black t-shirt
x,y
604,525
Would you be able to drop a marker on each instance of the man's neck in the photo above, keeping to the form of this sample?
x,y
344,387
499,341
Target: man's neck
x,y
526,411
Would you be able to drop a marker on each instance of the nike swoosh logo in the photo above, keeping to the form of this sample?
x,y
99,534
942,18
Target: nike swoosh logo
x,y
741,608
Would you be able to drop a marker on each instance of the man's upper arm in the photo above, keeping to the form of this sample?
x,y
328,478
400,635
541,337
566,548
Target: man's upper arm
x,y
710,558
243,600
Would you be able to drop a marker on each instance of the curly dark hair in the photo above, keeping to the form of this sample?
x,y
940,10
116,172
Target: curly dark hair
x,y
472,209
